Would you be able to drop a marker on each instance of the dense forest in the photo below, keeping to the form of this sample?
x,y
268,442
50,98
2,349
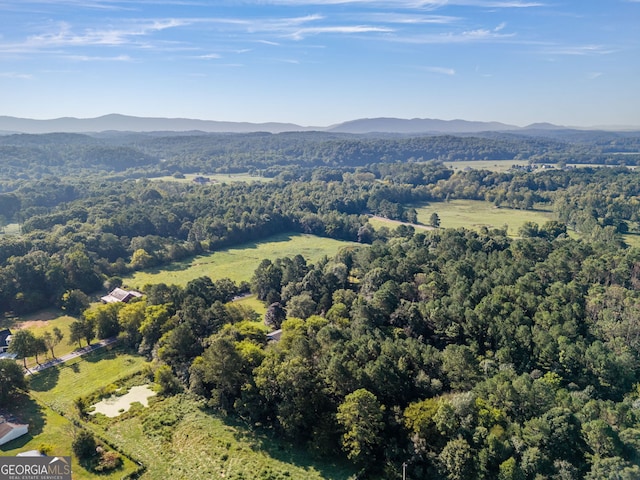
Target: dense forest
x,y
136,155
461,354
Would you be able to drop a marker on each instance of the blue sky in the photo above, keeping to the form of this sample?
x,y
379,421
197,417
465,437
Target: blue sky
x,y
321,62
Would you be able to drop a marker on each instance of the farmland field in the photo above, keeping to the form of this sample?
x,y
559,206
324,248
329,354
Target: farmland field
x,y
493,165
216,178
633,240
239,263
474,214
10,229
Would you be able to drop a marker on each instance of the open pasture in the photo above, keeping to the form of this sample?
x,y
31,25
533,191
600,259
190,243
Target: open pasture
x,y
215,178
493,165
474,214
10,229
238,263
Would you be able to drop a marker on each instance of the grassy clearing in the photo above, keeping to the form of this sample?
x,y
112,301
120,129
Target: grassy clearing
x,y
476,214
240,262
378,222
10,229
197,444
253,303
215,178
492,165
633,240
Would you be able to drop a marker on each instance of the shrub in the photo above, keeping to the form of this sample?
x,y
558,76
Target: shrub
x,y
84,445
109,460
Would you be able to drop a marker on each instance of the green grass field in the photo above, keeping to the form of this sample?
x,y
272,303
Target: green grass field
x,y
633,240
493,165
475,214
59,386
200,445
10,229
239,263
215,178
47,427
378,222
253,303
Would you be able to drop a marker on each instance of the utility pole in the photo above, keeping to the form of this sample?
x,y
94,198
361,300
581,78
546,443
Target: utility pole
x,y
404,470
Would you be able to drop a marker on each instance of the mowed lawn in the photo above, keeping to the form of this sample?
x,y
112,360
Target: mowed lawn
x,y
239,263
59,386
474,214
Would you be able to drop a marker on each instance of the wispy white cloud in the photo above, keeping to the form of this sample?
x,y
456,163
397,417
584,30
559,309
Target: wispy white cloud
x,y
410,19
63,35
431,4
440,70
16,75
577,50
209,56
467,36
86,58
594,75
340,29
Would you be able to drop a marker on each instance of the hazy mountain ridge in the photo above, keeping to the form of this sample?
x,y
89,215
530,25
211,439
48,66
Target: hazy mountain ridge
x,y
125,123
116,122
418,125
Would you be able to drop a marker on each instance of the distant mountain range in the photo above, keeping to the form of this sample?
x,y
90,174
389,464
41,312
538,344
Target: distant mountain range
x,y
124,123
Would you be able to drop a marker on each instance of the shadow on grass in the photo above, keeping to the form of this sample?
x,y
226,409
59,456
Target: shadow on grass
x,y
105,353
45,380
26,410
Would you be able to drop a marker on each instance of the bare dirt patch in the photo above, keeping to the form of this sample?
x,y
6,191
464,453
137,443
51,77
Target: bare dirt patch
x,y
31,323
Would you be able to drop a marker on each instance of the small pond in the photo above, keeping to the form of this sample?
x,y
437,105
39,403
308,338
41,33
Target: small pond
x,y
115,405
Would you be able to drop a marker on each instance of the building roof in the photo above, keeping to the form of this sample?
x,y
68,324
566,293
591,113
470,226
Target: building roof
x,y
6,428
275,335
3,337
120,295
30,453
